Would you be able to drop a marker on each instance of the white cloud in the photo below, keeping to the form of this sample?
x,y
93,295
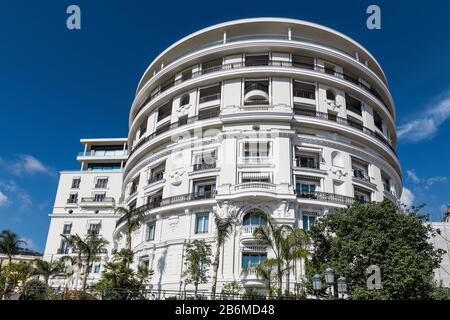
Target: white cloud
x,y
21,198
407,198
3,199
25,164
433,180
427,124
412,176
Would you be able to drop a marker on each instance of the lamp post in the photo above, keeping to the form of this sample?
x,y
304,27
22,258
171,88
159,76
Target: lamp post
x,y
317,284
329,278
342,287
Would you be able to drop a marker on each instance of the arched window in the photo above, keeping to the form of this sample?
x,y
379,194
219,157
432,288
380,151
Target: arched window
x,y
254,218
185,100
337,159
330,95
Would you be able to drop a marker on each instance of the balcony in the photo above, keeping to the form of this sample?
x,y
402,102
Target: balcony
x,y
156,177
255,108
204,166
161,130
97,202
196,196
256,93
324,196
104,153
346,122
269,63
255,185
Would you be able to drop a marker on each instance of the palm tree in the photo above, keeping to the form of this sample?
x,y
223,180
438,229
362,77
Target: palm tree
x,y
47,269
274,236
88,251
125,256
76,243
10,243
294,247
224,226
265,271
133,219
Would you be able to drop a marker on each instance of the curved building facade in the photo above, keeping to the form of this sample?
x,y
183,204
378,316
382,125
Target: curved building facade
x,y
275,115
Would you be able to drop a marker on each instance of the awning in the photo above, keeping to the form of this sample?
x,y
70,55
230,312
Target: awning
x,y
255,175
308,178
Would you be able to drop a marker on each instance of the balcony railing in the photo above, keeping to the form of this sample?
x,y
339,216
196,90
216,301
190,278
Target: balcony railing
x,y
203,116
169,201
309,165
103,153
304,94
210,97
344,121
156,177
271,63
324,196
97,200
204,166
255,185
358,174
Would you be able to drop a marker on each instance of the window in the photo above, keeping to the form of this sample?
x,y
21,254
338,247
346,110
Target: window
x,y
101,183
256,149
256,59
144,262
305,110
76,183
308,221
303,62
73,198
104,166
330,95
90,268
154,201
378,120
208,113
182,120
165,111
332,116
151,227
205,160
305,188
134,186
184,100
362,195
186,74
210,93
201,223
256,92
67,228
355,123
254,218
97,268
205,186
252,260
143,128
360,169
63,247
353,104
304,90
211,66
99,197
94,228
308,161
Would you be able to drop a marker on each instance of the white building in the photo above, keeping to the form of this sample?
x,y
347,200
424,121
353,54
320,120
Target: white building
x,y
85,201
283,116
442,241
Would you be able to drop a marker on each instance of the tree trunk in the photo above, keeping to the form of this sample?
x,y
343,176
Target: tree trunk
x,y
86,274
288,276
129,240
280,280
215,271
9,259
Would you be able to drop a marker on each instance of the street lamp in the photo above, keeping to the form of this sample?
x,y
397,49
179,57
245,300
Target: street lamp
x,y
317,283
329,278
342,286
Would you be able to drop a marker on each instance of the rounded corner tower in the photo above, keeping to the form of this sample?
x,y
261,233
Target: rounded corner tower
x,y
276,115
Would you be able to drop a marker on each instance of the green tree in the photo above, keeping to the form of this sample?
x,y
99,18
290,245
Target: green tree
x,y
119,282
224,227
10,243
265,271
16,275
133,219
350,240
47,269
197,259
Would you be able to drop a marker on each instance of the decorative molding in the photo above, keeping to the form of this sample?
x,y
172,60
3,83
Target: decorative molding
x,y
176,175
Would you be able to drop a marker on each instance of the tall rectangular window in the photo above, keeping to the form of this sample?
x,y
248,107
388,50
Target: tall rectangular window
x,y
73,198
76,183
308,221
201,223
99,197
151,228
256,149
101,183
252,260
67,228
94,228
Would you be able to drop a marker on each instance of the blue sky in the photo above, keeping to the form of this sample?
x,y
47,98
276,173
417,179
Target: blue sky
x,y
57,86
